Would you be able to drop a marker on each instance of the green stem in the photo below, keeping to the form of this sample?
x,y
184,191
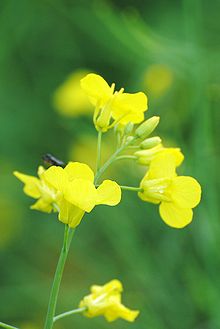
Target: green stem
x,y
134,147
131,188
99,144
68,234
126,157
63,315
7,326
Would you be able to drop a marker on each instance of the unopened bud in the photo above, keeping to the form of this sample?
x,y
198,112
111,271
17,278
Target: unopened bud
x,y
150,142
144,157
102,122
129,128
130,139
147,127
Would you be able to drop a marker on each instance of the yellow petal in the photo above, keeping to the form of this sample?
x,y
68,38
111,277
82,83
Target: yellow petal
x,y
185,191
42,205
112,286
96,88
81,193
175,152
56,177
175,216
77,170
130,105
70,214
40,171
109,192
163,165
117,310
31,186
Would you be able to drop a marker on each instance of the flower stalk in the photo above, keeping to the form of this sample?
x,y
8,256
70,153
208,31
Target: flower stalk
x,y
68,235
131,188
99,145
7,326
63,315
112,158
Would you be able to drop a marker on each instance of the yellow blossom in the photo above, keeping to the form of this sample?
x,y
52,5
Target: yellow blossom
x,y
70,191
144,157
69,99
38,188
177,195
111,106
106,300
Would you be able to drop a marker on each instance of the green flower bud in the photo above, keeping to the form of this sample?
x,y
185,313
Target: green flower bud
x,y
147,127
129,128
150,142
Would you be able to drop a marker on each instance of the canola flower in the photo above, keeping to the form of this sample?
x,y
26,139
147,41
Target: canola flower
x,y
110,104
106,300
176,195
69,191
75,189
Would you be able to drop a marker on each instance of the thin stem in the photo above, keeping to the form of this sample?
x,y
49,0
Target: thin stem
x,y
135,147
7,326
131,188
63,315
118,136
126,157
68,234
99,145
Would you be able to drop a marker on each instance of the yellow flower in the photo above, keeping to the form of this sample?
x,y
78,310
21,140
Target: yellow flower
x,y
69,99
113,105
144,157
106,300
38,188
70,191
177,195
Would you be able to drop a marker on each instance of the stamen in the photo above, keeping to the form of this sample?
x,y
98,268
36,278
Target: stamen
x,y
112,87
157,189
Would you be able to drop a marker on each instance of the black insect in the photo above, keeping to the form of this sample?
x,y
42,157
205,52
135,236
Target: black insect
x,y
50,160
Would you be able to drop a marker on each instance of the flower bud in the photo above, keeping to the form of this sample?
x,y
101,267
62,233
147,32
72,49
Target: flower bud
x,y
147,127
150,142
129,128
103,120
130,139
144,157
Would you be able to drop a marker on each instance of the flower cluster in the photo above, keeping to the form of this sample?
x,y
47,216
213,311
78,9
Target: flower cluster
x,y
71,191
75,189
177,195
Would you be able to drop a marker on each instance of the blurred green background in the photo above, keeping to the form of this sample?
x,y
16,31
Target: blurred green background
x,y
170,50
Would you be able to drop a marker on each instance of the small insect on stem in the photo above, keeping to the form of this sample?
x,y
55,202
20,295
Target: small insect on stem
x,y
50,160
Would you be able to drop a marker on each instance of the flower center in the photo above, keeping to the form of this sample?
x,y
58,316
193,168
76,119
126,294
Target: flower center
x,y
157,189
103,120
